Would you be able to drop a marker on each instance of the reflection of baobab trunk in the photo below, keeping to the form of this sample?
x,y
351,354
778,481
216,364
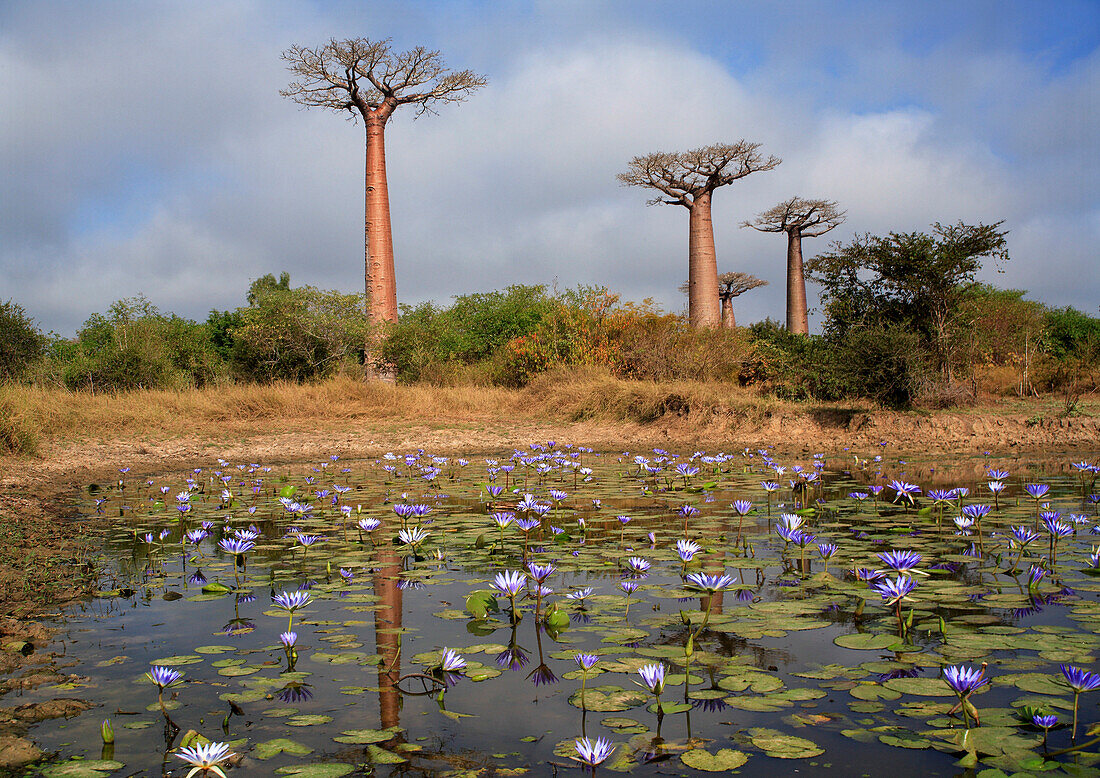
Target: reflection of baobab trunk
x,y
387,638
714,563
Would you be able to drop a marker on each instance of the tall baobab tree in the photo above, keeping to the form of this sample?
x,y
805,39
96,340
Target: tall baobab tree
x,y
731,285
800,219
370,81
689,178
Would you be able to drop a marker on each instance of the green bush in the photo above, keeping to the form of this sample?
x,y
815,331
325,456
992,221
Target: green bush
x,y
21,343
884,363
428,343
295,334
1069,333
134,346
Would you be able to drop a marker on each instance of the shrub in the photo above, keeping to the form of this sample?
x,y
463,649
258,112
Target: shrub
x,y
296,334
20,342
134,346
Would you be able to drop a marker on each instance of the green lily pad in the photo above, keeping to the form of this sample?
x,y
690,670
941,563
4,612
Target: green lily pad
x,y
922,687
605,699
365,736
382,756
865,641
725,760
280,745
83,768
320,770
775,743
307,720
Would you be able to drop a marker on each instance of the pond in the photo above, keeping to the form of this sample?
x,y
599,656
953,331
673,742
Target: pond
x,y
695,612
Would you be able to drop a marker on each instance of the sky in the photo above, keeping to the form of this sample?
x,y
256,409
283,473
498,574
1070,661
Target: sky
x,y
145,149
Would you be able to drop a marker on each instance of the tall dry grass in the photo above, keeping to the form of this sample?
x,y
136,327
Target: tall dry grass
x,y
30,416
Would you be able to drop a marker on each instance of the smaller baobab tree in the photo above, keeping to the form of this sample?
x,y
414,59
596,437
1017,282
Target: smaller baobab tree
x,y
800,219
689,178
731,285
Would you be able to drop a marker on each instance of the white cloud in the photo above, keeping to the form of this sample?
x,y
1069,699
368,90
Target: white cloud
x,y
175,169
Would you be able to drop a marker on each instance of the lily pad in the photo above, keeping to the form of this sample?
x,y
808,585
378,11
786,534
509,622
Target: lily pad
x,y
725,760
865,641
365,736
280,745
608,698
83,768
776,744
320,770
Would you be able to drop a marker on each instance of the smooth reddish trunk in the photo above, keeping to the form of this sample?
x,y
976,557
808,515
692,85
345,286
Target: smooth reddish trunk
x,y
728,319
381,282
797,321
702,265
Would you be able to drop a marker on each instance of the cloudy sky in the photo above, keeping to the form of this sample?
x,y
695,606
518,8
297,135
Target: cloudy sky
x,y
144,147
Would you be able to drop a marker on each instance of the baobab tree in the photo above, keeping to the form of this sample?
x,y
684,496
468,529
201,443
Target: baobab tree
x,y
369,80
731,285
799,219
689,178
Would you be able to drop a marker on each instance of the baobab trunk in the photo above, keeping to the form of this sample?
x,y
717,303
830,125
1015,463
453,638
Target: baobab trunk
x,y
702,265
381,283
728,320
797,321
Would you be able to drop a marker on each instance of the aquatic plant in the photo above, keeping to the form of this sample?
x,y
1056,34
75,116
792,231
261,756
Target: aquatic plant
x,y
1080,681
964,681
205,758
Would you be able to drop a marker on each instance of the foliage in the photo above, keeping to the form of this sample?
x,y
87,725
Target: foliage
x,y
913,280
471,330
134,346
20,341
1069,333
879,362
295,334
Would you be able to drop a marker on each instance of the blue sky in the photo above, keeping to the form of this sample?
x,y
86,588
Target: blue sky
x,y
144,147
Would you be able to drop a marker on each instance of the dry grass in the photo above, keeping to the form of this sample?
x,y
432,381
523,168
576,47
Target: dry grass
x,y
30,415
593,393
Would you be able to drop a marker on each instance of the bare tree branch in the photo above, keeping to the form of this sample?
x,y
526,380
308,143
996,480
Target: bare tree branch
x,y
683,176
801,215
368,78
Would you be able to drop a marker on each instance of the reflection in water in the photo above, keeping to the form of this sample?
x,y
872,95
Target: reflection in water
x,y
387,633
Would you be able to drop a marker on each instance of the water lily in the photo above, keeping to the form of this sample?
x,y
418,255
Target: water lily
x,y
592,753
205,758
1080,681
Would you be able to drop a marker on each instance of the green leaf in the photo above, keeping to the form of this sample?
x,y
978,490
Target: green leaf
x,y
364,737
775,743
280,745
725,760
609,698
382,756
288,491
329,770
923,687
865,641
83,768
480,603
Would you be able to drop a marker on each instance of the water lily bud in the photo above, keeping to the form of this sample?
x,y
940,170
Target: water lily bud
x,y
107,731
